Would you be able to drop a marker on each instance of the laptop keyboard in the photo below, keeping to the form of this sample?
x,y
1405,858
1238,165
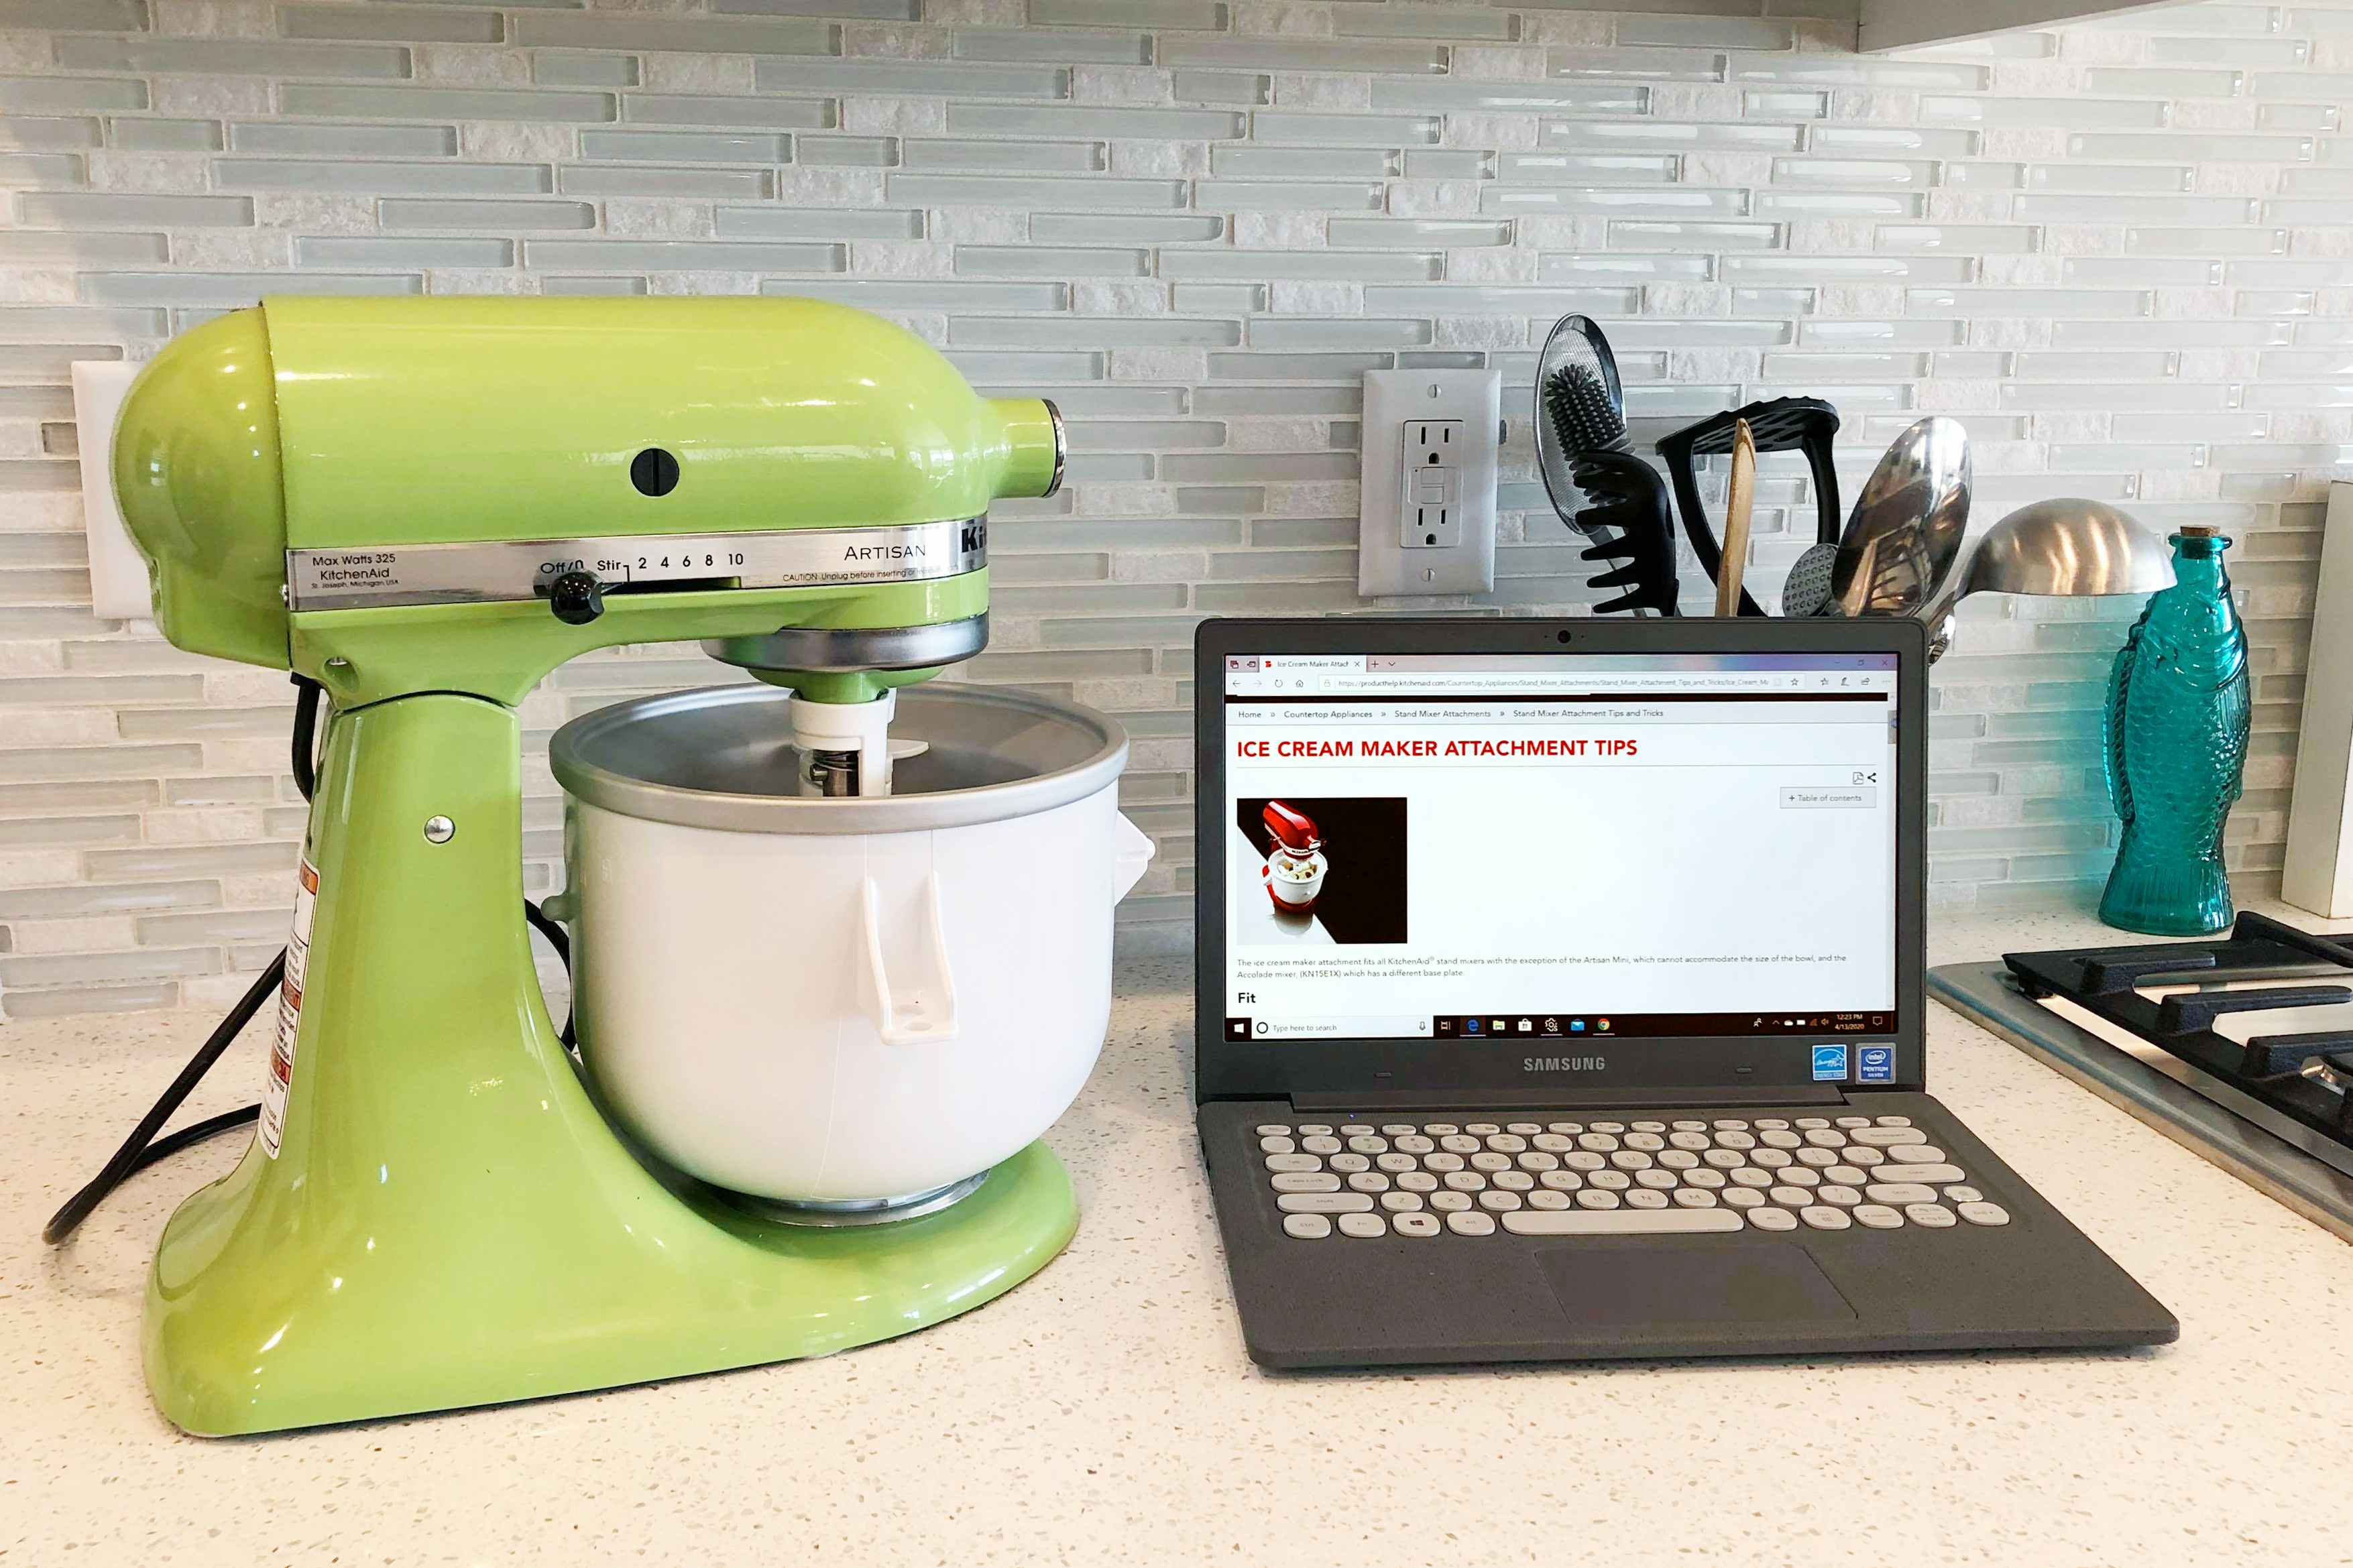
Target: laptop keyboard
x,y
1656,1175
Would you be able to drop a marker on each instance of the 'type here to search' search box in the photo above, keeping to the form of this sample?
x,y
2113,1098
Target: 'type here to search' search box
x,y
1829,797
1376,1028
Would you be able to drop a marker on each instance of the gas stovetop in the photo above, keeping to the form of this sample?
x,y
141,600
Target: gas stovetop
x,y
2239,1046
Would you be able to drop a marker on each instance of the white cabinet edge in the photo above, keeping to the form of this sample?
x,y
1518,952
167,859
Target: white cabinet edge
x,y
2318,872
1908,24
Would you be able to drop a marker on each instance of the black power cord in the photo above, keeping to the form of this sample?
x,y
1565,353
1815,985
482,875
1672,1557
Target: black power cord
x,y
143,1148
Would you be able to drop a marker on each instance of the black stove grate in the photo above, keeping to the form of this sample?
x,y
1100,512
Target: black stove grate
x,y
2269,1067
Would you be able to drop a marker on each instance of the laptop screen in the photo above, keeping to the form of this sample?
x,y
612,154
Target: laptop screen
x,y
1560,848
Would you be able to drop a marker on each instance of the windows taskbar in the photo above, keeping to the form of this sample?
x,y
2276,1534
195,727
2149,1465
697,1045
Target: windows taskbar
x,y
1531,1025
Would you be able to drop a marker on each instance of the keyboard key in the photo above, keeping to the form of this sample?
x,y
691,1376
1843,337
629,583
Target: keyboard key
x,y
1319,1129
1790,1197
1460,1143
1899,1193
1622,1222
1354,1129
1320,1144
1560,1181
1843,1197
1743,1197
1277,1146
1892,1121
1611,1180
1678,1159
1862,1154
1497,1203
1449,1203
1465,1182
1512,1181
1822,1216
1965,1195
1778,1140
1596,1143
1852,1121
1935,1216
1813,1122
1885,1137
1691,1126
1538,1160
1565,1129
1324,1203
1608,1126
1729,1125
1273,1130
1523,1129
1820,1159
1650,1126
1649,1142
1733,1138
1399,1129
1418,1182
1708,1179
1799,1176
1553,1142
1507,1143
1937,1173
1416,1224
1661,1180
1368,1182
1351,1162
1985,1213
1481,1128
1694,1198
1772,1219
1844,1175
1631,1160
1771,1124
1472,1223
1645,1198
1750,1177
1825,1137
1486,1160
1307,1226
1543,1199
1294,1163
1363,1224
1369,1144
1773,1159
1584,1159
1397,1165
1916,1154
1441,1162
1593,1198
1413,1143
1685,1139
1306,1182
1441,1128
1402,1203
1879,1216
1725,1159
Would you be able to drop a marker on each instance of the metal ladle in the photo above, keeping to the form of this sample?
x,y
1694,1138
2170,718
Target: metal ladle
x,y
1905,532
2065,547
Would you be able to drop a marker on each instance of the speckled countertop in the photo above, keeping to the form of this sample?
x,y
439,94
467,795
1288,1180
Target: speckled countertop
x,y
1104,1411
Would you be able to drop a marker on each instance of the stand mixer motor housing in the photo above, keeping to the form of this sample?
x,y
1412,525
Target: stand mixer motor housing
x,y
426,505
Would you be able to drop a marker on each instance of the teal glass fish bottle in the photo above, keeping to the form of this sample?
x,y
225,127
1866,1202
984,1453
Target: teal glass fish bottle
x,y
2175,744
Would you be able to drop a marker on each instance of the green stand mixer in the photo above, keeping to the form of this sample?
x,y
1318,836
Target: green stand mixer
x,y
426,506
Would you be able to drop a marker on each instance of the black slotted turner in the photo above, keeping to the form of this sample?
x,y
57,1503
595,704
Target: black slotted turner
x,y
1807,424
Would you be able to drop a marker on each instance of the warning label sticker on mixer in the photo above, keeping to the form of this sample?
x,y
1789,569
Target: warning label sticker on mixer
x,y
281,1082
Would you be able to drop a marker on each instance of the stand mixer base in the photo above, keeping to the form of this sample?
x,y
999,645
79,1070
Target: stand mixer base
x,y
447,1221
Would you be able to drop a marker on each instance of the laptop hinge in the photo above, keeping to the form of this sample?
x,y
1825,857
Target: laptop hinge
x,y
1596,1099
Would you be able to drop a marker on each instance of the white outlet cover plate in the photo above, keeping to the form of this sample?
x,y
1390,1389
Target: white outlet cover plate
x,y
118,575
1394,399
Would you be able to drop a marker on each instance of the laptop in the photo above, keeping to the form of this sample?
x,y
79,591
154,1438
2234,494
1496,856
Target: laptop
x,y
1559,997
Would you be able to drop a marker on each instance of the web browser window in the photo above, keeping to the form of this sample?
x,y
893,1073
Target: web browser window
x,y
1570,846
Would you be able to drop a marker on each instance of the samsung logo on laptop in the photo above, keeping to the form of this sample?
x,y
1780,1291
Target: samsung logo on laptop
x,y
1564,1064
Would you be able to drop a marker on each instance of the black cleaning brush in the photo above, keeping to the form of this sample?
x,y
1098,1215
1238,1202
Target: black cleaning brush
x,y
1585,417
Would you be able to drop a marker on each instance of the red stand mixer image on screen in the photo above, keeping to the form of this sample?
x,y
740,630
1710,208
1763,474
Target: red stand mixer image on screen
x,y
1295,868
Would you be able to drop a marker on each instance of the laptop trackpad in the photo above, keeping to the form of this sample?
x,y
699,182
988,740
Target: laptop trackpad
x,y
1662,1283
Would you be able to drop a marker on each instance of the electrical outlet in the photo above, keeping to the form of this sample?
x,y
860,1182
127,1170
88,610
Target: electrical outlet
x,y
1429,482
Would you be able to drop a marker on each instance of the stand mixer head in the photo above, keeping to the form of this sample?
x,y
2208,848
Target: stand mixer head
x,y
425,505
